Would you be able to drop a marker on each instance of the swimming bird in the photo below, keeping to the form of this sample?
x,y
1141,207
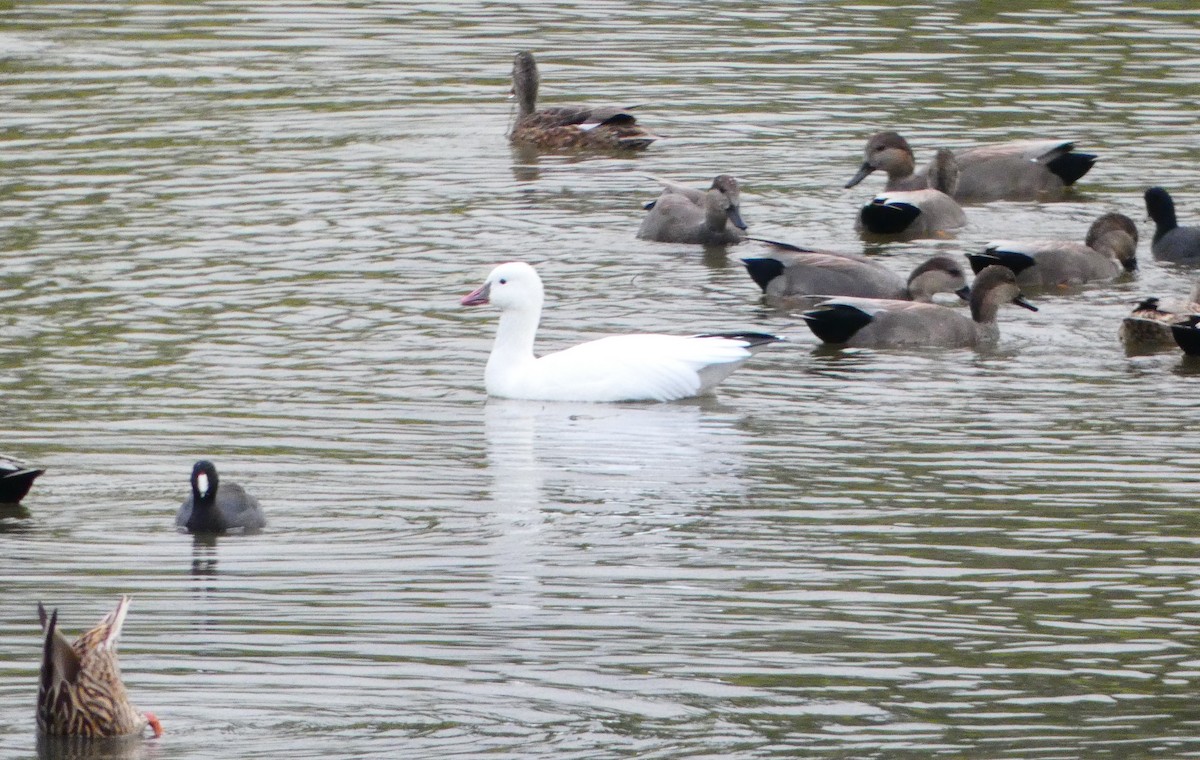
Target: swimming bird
x,y
210,509
16,478
569,126
793,272
883,323
80,692
1149,324
917,213
1171,242
1109,250
1017,170
640,367
684,215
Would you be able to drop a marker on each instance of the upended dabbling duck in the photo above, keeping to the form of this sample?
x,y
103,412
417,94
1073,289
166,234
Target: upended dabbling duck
x,y
80,692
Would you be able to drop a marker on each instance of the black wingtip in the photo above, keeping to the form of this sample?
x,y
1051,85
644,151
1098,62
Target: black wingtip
x,y
1015,261
763,271
884,218
782,246
1187,336
1071,166
754,339
14,486
835,322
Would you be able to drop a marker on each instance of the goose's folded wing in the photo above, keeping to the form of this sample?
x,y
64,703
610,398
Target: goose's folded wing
x,y
634,367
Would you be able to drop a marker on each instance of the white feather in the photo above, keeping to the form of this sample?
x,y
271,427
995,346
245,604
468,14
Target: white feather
x,y
644,367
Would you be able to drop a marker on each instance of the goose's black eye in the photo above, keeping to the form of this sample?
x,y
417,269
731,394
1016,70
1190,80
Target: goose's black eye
x,y
503,281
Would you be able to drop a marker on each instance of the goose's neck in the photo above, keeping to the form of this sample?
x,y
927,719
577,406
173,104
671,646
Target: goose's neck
x,y
513,349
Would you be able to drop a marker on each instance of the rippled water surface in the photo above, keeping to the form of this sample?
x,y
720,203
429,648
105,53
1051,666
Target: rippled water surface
x,y
240,231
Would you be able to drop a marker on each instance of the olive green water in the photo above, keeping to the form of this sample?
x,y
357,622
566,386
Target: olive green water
x,y
240,231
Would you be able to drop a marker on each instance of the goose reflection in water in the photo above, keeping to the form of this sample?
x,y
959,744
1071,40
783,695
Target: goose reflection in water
x,y
558,467
618,456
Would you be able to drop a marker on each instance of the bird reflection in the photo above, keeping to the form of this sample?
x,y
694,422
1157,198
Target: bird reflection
x,y
80,748
633,463
204,555
524,166
13,518
550,451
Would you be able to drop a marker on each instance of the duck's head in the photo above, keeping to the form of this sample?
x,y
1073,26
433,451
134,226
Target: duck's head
x,y
525,81
725,198
994,286
1117,235
888,151
939,274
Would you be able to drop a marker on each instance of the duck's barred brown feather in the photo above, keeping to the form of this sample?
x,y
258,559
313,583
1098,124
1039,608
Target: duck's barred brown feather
x,y
80,692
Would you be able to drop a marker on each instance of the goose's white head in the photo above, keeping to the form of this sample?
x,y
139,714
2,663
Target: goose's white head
x,y
514,285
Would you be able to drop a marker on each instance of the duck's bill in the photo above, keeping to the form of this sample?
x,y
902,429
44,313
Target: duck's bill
x,y
1020,301
863,171
735,216
478,296
154,723
964,292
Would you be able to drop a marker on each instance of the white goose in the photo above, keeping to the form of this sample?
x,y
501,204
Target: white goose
x,y
643,367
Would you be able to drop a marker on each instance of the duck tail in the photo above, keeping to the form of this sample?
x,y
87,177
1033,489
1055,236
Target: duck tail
x,y
1071,166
